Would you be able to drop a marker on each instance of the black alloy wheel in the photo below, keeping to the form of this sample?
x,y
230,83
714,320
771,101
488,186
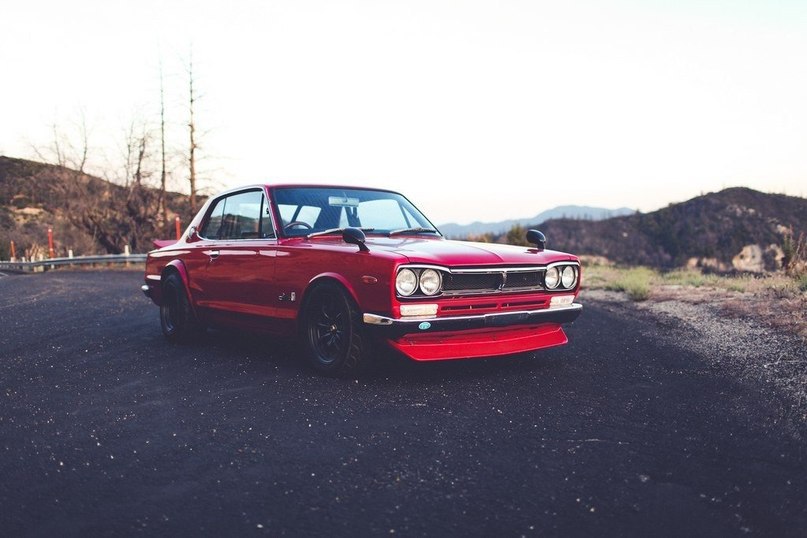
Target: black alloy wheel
x,y
176,317
332,331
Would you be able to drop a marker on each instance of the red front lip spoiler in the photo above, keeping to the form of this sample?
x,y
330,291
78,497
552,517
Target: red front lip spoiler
x,y
395,328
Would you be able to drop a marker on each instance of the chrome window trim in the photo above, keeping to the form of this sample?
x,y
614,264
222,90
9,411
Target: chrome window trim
x,y
266,201
270,211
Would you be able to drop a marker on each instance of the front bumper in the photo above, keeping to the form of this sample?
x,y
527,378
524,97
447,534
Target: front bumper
x,y
396,328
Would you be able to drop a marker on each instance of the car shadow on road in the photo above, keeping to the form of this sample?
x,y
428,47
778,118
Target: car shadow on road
x,y
386,365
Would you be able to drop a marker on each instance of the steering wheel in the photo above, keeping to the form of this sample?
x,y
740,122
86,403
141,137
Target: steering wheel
x,y
297,223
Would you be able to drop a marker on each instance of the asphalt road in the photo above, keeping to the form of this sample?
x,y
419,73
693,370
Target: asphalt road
x,y
106,429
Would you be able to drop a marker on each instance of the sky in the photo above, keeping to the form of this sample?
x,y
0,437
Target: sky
x,y
476,110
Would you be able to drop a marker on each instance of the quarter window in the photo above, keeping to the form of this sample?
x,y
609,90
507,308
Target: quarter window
x,y
239,216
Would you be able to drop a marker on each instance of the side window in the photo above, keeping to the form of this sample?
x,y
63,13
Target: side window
x,y
242,216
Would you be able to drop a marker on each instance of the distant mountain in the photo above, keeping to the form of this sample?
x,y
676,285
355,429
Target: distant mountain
x,y
461,231
734,229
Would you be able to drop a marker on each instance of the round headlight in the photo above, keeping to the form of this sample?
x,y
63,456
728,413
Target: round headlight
x,y
568,277
552,278
429,281
406,282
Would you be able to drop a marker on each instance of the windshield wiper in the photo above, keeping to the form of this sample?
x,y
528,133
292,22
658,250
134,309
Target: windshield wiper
x,y
416,230
333,231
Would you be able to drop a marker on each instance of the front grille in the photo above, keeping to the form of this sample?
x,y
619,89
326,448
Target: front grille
x,y
531,279
476,282
471,282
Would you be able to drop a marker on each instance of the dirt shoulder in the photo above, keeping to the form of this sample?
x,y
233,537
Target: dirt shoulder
x,y
756,337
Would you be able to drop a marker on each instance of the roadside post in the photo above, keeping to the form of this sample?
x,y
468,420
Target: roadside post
x,y
13,252
179,230
51,251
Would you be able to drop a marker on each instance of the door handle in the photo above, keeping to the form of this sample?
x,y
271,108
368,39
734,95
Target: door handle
x,y
214,254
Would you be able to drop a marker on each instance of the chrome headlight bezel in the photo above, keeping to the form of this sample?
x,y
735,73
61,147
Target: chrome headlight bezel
x,y
404,279
562,276
552,278
429,280
568,277
433,277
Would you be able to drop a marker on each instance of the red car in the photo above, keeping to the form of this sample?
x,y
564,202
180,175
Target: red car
x,y
341,265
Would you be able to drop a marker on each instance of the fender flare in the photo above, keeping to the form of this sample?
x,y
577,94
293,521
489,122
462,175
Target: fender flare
x,y
328,277
177,266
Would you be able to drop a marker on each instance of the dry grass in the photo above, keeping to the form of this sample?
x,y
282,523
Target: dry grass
x,y
635,282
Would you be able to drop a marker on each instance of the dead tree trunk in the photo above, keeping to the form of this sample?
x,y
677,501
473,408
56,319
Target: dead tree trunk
x,y
162,210
193,146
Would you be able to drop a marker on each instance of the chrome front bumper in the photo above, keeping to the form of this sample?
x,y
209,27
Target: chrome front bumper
x,y
393,328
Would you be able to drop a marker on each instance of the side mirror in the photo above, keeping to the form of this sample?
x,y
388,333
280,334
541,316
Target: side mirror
x,y
537,238
192,234
355,236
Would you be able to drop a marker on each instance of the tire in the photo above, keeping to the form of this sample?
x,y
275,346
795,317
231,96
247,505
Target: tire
x,y
331,332
176,317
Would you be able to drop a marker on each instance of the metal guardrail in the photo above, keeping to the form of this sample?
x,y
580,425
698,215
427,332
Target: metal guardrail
x,y
79,260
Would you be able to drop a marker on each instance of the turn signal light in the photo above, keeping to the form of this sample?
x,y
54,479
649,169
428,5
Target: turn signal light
x,y
561,300
418,309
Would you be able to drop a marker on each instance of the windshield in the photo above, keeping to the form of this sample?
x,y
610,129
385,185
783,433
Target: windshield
x,y
308,210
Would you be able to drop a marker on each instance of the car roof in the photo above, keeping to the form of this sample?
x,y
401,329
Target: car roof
x,y
297,186
323,186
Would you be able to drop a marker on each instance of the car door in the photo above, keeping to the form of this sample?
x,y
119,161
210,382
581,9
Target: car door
x,y
240,250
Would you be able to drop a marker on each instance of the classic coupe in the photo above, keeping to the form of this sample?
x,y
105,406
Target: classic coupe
x,y
341,267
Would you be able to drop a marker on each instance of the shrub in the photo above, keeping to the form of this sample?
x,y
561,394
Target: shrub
x,y
802,282
782,289
740,283
517,235
795,254
635,282
691,277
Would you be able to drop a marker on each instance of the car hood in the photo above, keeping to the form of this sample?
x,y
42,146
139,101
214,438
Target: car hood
x,y
464,253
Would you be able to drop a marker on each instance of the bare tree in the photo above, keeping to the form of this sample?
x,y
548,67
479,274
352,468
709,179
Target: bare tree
x,y
71,158
57,148
129,151
141,154
193,144
62,150
116,211
161,206
123,208
85,142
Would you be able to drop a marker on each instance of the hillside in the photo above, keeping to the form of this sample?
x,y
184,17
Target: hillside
x,y
737,228
461,231
88,215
